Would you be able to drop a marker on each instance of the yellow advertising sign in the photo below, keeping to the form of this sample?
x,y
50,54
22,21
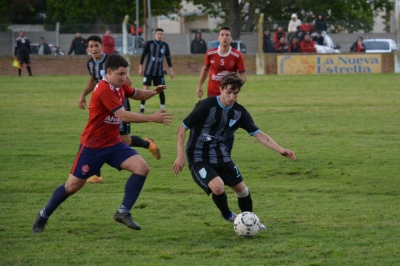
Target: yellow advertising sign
x,y
329,64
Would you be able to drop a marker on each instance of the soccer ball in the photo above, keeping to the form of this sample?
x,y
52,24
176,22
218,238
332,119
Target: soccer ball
x,y
246,224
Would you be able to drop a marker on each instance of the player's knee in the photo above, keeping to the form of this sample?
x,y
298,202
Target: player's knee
x,y
243,193
217,186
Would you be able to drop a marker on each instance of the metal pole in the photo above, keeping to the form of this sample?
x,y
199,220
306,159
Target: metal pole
x,y
150,20
260,57
137,26
125,36
397,55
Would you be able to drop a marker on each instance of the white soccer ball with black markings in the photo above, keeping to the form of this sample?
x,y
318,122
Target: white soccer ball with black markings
x,y
246,224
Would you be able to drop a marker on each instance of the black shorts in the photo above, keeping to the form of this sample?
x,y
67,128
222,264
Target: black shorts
x,y
125,128
157,80
24,58
203,173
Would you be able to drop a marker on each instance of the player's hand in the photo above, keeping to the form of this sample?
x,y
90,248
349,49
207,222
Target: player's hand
x,y
82,103
199,92
140,71
162,117
159,88
178,164
290,154
171,73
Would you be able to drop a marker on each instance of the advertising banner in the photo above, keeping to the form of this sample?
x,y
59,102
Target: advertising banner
x,y
329,64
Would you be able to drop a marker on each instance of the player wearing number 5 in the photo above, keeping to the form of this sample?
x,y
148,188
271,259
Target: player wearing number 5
x,y
211,122
219,61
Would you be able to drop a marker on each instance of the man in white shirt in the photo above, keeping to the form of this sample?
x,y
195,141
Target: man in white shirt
x,y
292,28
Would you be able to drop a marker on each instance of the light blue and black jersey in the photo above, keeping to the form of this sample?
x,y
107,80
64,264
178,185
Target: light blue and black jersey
x,y
154,52
210,125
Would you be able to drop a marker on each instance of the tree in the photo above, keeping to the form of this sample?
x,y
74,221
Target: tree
x,y
350,15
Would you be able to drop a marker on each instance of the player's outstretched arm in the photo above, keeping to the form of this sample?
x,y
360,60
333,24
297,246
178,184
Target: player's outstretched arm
x,y
180,157
270,143
130,117
147,94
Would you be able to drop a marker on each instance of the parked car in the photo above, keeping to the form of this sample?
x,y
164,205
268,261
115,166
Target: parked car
x,y
380,46
55,50
237,44
134,47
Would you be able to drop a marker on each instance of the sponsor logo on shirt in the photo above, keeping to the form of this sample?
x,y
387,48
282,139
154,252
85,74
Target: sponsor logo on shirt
x,y
219,76
112,120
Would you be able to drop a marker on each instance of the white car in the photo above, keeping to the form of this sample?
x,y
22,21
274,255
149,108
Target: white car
x,y
380,46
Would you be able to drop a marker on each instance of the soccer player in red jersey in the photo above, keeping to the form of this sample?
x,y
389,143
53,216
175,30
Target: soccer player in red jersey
x,y
101,142
219,61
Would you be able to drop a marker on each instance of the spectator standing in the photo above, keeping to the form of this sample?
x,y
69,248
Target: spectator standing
x,y
320,24
292,27
282,46
108,43
154,51
319,39
358,46
133,29
78,45
198,45
44,48
307,45
278,34
295,45
268,46
22,51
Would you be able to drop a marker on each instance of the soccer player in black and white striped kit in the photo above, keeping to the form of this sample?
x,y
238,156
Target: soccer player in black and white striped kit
x,y
154,51
210,123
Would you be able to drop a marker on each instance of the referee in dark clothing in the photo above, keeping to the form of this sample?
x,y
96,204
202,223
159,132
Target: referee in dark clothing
x,y
154,51
22,51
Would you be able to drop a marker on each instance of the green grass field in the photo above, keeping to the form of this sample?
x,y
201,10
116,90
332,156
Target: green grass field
x,y
337,205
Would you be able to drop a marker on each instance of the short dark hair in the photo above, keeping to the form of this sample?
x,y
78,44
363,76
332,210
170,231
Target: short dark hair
x,y
115,61
226,28
94,38
233,79
159,29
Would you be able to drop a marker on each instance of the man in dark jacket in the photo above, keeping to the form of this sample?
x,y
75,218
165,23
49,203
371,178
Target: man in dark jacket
x,y
198,45
44,48
268,45
78,45
320,24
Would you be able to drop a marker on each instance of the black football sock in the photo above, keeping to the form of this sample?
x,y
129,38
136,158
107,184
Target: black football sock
x,y
19,72
139,142
29,70
221,201
162,98
246,203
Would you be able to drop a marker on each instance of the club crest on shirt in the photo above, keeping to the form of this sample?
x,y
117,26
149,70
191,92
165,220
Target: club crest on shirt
x,y
203,172
102,72
162,50
232,122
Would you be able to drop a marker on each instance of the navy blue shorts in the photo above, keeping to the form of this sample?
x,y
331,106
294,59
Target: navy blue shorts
x,y
203,173
157,80
89,161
